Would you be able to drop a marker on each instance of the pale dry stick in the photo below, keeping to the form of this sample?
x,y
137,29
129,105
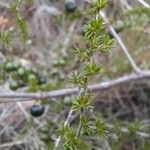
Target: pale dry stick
x,y
67,39
45,8
123,47
27,116
12,100
20,96
12,144
49,9
57,141
124,2
4,4
38,15
27,138
3,130
6,112
145,4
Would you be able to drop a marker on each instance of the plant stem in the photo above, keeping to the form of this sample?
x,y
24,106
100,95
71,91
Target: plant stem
x,y
82,92
80,124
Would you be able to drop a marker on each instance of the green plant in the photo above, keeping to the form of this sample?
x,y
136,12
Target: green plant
x,y
84,129
97,41
137,18
6,37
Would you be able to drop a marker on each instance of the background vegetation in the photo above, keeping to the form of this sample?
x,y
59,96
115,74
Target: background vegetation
x,y
39,45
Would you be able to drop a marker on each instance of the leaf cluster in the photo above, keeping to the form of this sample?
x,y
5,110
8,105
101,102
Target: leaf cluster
x,y
6,37
70,140
82,102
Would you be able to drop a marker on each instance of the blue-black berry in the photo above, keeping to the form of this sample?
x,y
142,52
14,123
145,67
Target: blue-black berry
x,y
70,6
37,110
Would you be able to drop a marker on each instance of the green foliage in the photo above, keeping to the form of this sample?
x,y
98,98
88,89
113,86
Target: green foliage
x,y
78,79
23,30
139,11
14,7
106,44
86,126
137,18
91,69
96,40
82,102
101,128
93,27
134,127
69,139
80,53
29,2
98,5
6,37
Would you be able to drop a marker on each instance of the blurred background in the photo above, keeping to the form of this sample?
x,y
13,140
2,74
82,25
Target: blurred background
x,y
36,55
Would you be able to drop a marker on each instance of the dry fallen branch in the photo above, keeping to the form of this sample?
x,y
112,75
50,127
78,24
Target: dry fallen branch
x,y
145,4
18,96
122,45
67,121
12,144
4,4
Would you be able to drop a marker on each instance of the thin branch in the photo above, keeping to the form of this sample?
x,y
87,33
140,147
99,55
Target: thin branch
x,y
57,141
3,4
80,125
119,40
144,3
12,144
49,9
67,39
18,96
124,2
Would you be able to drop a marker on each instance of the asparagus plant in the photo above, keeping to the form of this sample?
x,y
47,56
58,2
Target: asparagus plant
x,y
95,40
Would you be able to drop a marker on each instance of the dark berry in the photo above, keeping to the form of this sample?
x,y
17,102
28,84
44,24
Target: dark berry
x,y
70,6
37,110
42,80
